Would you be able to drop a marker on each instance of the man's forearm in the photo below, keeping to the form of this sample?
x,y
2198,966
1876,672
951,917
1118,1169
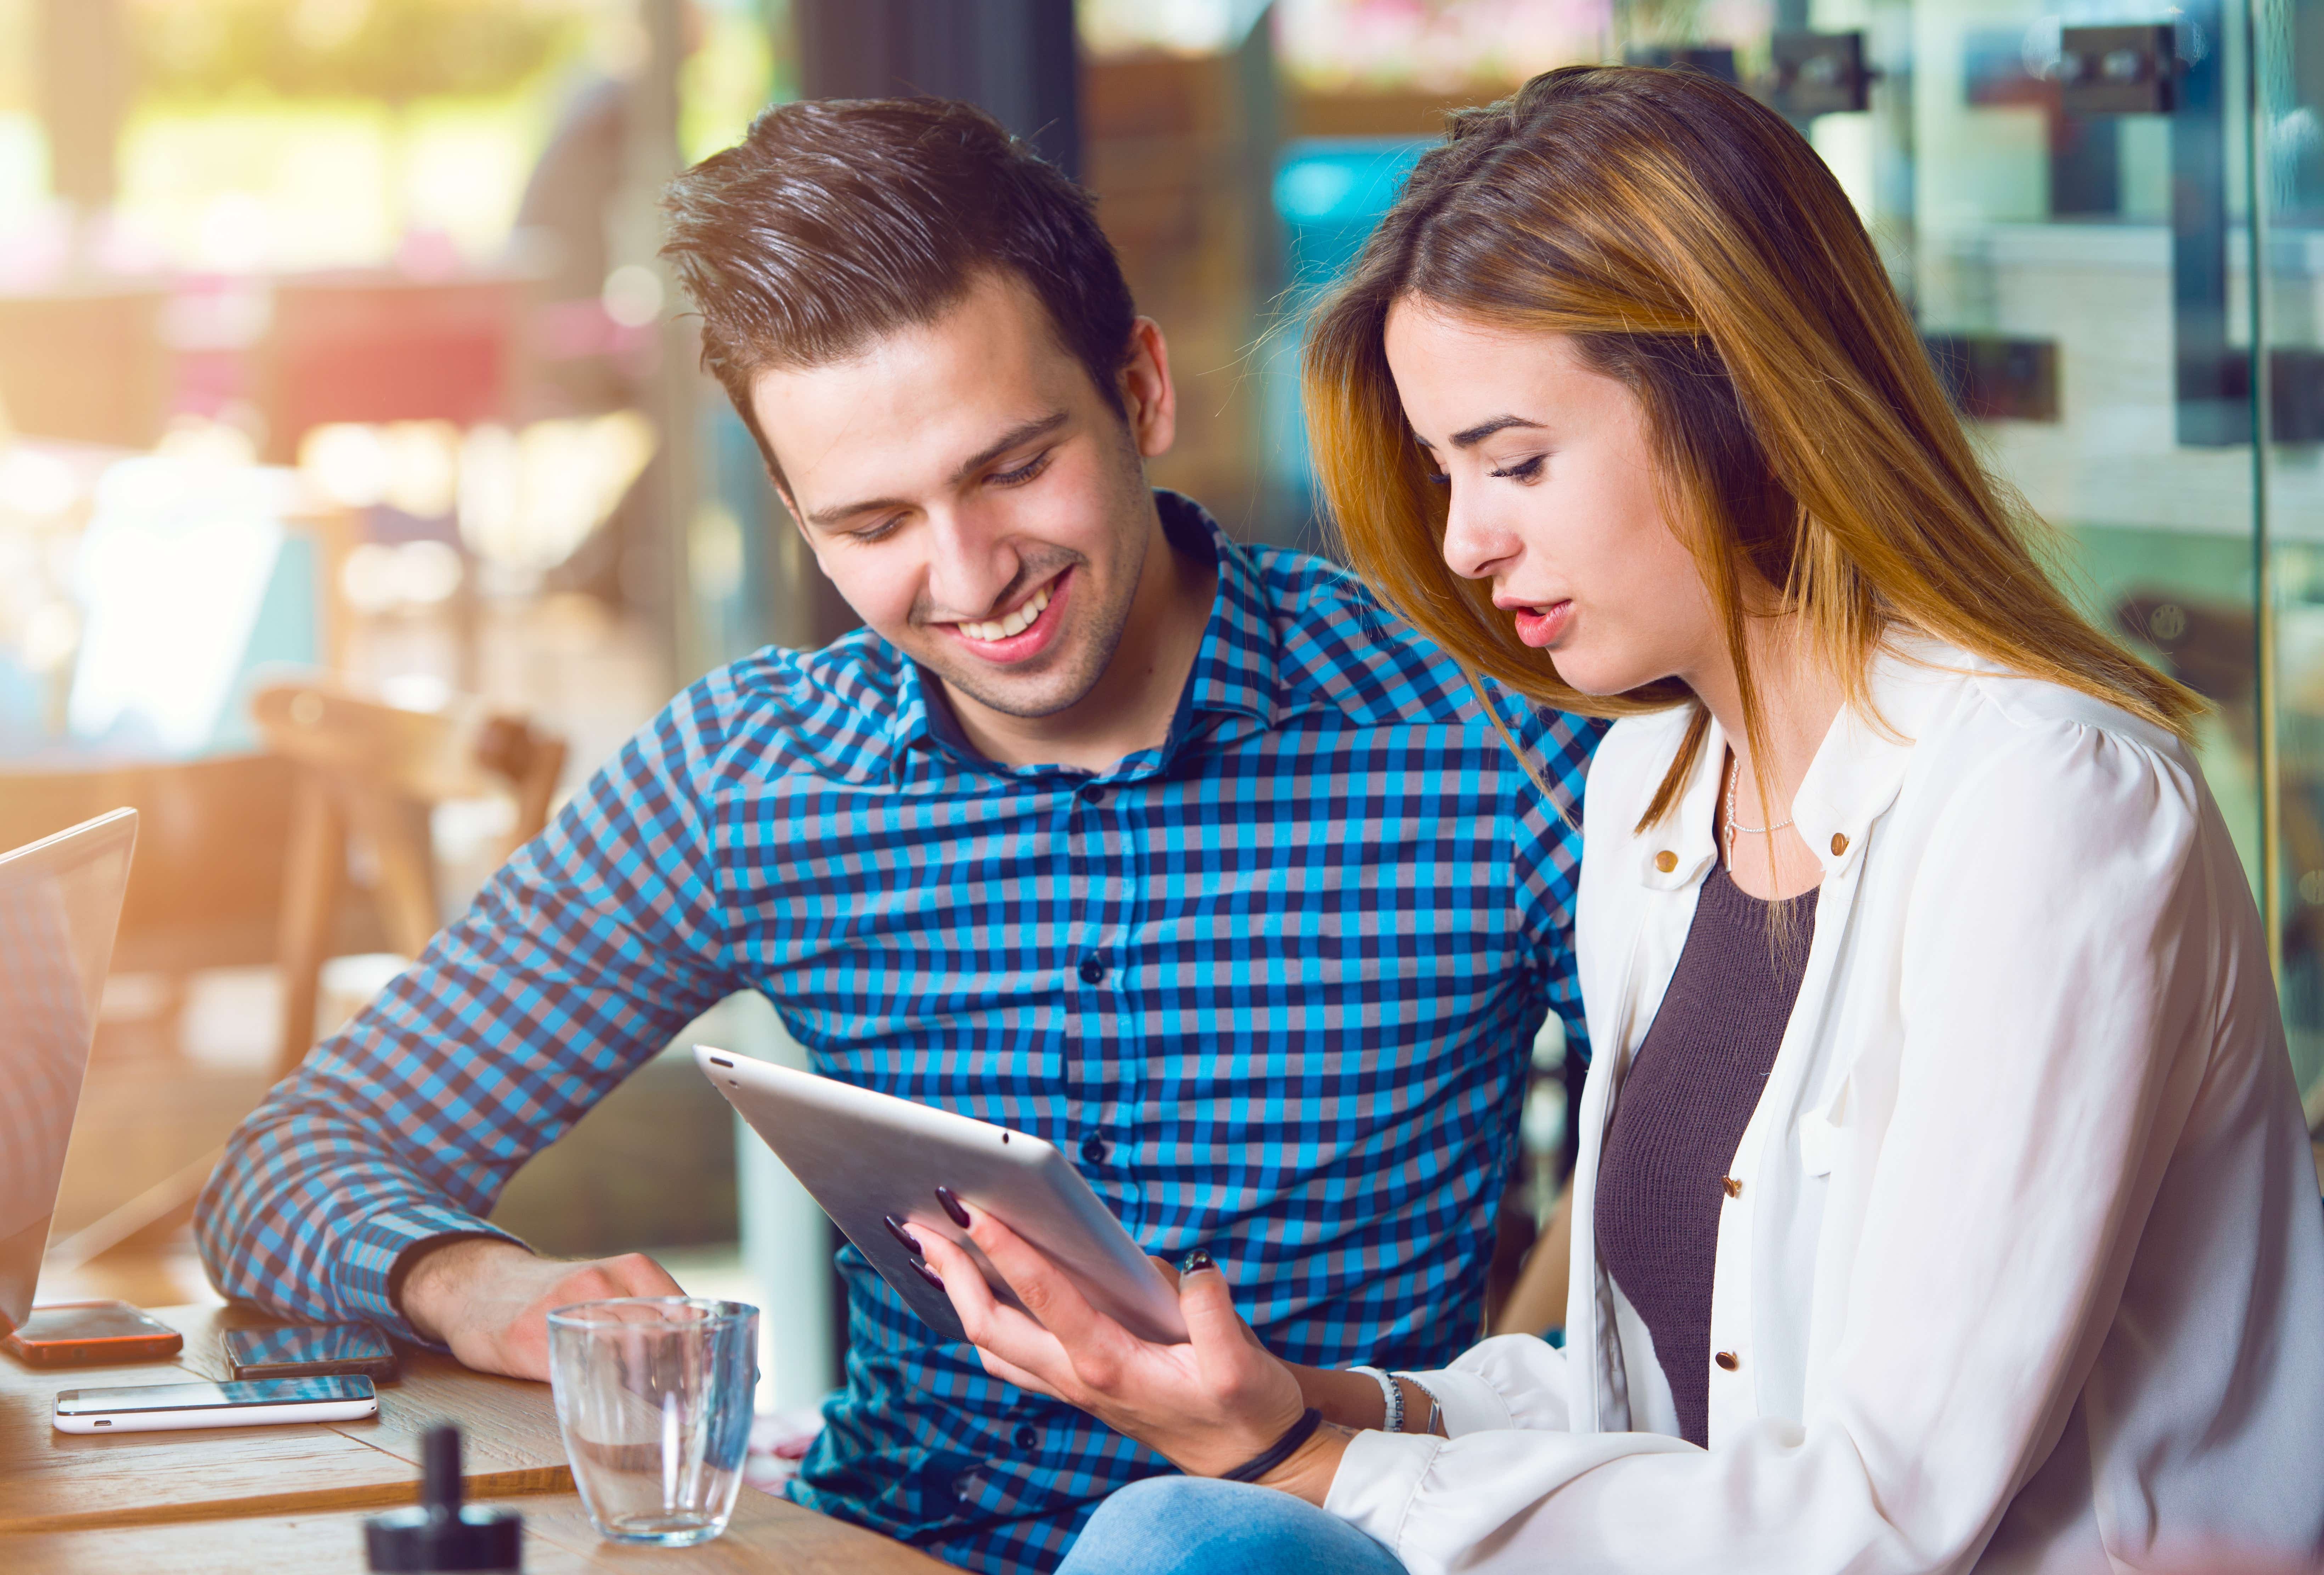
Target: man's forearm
x,y
310,1209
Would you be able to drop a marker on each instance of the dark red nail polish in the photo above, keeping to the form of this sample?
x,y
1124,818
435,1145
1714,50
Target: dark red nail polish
x,y
953,1207
910,1242
929,1274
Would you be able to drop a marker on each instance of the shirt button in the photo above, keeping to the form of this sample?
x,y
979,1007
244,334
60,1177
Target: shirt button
x,y
1092,795
964,1487
1665,860
1092,971
1028,1437
1094,1148
1734,1188
1728,1361
1838,843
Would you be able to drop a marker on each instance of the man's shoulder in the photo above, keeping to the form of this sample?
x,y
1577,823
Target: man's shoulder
x,y
829,712
1338,649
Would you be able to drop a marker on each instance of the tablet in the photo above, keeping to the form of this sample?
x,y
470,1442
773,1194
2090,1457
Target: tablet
x,y
865,1156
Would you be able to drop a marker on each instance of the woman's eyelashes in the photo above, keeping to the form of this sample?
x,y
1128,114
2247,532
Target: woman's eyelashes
x,y
1524,469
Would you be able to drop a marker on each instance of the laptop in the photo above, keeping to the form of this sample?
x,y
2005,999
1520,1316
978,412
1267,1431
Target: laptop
x,y
60,905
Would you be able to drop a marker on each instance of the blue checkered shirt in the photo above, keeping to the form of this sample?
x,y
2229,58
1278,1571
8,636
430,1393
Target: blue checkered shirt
x,y
1273,983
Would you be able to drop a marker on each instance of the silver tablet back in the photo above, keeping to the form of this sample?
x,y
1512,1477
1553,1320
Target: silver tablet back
x,y
865,1156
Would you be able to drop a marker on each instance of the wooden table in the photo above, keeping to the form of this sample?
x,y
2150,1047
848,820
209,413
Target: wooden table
x,y
768,1536
239,1499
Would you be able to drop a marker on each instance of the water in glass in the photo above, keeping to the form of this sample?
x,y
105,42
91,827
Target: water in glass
x,y
653,1397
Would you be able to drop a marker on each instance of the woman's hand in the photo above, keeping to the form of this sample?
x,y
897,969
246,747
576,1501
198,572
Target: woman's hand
x,y
1208,1406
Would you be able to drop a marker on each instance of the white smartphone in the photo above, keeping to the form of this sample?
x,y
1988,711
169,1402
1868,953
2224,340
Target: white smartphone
x,y
172,1407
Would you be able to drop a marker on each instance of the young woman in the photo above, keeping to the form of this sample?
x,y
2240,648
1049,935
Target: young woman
x,y
1943,1200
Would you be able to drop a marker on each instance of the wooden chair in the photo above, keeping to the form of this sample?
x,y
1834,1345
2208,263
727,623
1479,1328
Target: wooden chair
x,y
206,890
375,771
206,886
214,885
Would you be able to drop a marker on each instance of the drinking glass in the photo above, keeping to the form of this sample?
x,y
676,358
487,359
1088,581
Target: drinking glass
x,y
653,1397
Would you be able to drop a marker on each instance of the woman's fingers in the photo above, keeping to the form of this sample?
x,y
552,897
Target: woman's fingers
x,y
1100,1350
1043,1288
997,1330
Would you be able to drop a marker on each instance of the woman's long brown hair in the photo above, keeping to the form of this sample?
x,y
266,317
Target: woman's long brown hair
x,y
1698,250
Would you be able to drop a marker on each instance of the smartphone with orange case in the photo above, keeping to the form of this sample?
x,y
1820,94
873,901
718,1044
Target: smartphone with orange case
x,y
89,1335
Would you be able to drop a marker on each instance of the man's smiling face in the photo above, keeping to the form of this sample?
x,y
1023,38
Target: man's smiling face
x,y
973,497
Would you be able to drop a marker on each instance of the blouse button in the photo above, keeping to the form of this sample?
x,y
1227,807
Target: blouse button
x,y
1734,1188
1728,1361
1838,843
1665,860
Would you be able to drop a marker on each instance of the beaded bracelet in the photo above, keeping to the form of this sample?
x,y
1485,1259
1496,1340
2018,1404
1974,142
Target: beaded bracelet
x,y
1435,1406
1391,1398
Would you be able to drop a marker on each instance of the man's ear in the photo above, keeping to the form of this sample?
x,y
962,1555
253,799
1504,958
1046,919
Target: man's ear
x,y
1149,400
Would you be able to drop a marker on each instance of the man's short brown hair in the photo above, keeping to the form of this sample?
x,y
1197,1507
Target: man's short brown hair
x,y
836,222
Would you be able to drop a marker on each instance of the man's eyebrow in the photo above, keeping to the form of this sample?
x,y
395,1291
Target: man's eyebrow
x,y
1016,437
1470,437
1022,433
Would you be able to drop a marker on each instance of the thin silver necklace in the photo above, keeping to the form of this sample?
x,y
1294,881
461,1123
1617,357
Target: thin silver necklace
x,y
1733,779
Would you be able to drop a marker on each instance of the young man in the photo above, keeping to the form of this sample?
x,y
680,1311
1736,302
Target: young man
x,y
1177,853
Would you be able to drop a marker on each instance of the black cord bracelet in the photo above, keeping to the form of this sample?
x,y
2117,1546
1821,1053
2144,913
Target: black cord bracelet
x,y
1281,1450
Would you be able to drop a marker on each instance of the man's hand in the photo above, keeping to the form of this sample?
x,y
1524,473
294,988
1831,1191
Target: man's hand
x,y
489,1300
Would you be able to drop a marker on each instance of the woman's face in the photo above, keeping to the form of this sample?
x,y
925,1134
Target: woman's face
x,y
1553,498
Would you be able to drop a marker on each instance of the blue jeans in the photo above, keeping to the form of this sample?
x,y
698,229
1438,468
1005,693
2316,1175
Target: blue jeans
x,y
1194,1525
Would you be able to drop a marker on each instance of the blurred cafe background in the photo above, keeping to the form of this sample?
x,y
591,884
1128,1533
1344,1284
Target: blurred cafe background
x,y
359,493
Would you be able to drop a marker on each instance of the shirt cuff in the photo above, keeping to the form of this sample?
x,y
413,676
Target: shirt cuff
x,y
1470,1403
373,1253
1378,1475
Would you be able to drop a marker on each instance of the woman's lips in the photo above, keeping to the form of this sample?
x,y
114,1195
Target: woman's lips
x,y
1541,626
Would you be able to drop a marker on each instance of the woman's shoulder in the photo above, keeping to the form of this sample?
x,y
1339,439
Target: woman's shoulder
x,y
1958,724
1986,711
2000,748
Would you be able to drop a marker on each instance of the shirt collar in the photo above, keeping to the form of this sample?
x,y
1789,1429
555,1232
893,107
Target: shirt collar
x,y
1231,686
1855,777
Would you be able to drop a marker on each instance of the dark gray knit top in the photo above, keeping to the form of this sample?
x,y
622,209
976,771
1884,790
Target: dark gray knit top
x,y
1682,1109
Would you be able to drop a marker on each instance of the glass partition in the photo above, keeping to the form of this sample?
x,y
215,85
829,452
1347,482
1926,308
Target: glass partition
x,y
2288,141
2071,194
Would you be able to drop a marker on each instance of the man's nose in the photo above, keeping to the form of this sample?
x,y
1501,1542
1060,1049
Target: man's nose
x,y
969,565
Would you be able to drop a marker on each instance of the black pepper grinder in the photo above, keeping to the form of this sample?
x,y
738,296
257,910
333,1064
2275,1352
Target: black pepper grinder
x,y
441,1533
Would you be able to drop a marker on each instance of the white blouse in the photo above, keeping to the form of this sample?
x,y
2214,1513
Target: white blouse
x,y
2024,1270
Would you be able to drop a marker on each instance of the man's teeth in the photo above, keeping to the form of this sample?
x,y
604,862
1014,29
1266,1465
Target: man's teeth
x,y
1013,624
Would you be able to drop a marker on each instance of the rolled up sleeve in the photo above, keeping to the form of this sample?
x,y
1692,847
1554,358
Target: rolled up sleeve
x,y
595,943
